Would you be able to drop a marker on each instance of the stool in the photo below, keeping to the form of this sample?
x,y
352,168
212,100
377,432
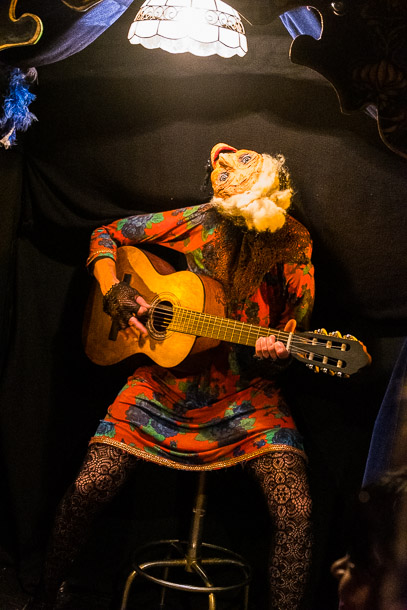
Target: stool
x,y
191,557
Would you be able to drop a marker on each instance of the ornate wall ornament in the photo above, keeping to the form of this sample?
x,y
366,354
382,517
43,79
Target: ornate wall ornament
x,y
24,30
363,53
28,28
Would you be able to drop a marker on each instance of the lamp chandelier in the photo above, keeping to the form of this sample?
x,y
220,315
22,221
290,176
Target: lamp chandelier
x,y
201,27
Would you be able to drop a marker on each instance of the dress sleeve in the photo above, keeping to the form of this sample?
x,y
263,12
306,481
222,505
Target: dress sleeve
x,y
299,292
174,229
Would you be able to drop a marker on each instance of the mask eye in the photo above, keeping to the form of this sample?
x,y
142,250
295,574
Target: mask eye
x,y
223,176
245,158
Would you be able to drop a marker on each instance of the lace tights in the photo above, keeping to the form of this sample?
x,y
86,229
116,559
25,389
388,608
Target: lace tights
x,y
281,476
101,476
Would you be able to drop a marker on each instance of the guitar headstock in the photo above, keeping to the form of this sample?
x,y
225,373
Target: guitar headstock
x,y
331,353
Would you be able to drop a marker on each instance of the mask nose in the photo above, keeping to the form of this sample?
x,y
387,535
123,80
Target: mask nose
x,y
217,150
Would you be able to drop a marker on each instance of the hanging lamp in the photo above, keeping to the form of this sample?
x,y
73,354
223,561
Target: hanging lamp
x,y
200,27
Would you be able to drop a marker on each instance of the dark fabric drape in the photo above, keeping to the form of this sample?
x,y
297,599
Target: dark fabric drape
x,y
120,130
65,31
10,200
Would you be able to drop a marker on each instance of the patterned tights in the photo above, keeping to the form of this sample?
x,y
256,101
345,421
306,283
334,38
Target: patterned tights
x,y
281,476
103,473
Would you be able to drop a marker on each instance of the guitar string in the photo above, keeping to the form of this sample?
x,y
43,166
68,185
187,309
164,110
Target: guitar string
x,y
249,334
304,354
209,318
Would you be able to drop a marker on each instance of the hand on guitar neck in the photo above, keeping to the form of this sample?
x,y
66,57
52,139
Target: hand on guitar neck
x,y
268,347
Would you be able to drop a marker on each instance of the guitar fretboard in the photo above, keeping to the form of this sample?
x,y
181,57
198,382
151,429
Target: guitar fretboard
x,y
215,327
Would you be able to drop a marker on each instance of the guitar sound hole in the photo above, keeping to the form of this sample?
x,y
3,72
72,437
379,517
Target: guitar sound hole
x,y
161,315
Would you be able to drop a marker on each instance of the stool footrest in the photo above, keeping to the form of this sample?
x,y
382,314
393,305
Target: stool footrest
x,y
199,567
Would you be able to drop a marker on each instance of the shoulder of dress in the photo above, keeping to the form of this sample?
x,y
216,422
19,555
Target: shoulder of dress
x,y
295,227
292,243
192,210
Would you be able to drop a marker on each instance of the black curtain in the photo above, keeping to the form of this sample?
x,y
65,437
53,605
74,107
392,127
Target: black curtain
x,y
121,130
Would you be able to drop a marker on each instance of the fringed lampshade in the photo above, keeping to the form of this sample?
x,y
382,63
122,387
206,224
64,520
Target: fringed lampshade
x,y
201,27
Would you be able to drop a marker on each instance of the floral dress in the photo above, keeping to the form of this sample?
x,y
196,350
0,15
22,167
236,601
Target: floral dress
x,y
232,410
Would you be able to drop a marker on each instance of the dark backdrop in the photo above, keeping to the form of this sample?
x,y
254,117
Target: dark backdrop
x,y
120,130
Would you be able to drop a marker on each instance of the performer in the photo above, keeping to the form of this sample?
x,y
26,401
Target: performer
x,y
231,411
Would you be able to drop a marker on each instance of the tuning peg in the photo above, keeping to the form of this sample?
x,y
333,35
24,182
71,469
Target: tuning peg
x,y
335,333
321,331
313,367
341,375
350,337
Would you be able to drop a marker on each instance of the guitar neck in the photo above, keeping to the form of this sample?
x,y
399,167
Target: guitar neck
x,y
330,353
215,327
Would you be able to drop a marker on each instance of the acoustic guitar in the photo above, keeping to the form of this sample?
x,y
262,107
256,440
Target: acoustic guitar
x,y
187,317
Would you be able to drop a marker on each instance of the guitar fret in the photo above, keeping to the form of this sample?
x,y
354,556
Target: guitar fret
x,y
239,339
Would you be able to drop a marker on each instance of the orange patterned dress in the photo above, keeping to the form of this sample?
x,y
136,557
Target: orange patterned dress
x,y
232,410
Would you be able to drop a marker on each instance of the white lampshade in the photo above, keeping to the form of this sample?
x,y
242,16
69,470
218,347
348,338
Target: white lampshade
x,y
201,27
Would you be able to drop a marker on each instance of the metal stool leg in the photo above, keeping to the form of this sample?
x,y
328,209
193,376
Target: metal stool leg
x,y
164,589
194,553
165,577
195,535
208,583
127,588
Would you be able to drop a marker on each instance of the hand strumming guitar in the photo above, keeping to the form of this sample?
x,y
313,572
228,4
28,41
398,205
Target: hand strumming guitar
x,y
122,302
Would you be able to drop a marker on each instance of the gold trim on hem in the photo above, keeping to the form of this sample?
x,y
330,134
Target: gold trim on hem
x,y
150,457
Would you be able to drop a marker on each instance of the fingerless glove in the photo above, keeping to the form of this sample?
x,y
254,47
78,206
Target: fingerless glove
x,y
119,303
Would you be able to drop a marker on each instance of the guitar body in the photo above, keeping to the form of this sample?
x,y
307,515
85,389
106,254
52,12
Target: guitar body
x,y
155,280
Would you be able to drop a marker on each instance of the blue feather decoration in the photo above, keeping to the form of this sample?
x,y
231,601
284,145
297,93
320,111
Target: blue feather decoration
x,y
16,114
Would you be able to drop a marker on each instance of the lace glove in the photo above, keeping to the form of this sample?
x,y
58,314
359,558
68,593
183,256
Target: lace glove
x,y
120,303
